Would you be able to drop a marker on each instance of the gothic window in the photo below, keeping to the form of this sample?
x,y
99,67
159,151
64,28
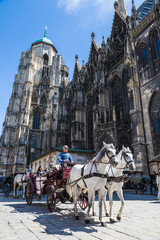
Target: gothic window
x,y
143,55
102,117
90,104
36,119
43,100
45,72
34,98
118,97
155,45
45,59
155,122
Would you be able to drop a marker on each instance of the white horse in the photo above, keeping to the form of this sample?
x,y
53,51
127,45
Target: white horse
x,y
20,180
92,177
116,181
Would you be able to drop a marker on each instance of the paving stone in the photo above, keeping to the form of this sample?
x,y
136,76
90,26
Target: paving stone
x,y
19,221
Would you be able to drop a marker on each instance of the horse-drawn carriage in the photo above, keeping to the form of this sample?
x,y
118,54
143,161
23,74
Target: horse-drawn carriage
x,y
68,183
52,184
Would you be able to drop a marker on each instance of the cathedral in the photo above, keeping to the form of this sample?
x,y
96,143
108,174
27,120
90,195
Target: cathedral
x,y
114,97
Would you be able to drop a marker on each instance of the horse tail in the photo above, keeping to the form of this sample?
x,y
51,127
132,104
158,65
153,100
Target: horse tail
x,y
69,187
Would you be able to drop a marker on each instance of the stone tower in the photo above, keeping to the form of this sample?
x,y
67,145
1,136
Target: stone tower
x,y
122,8
30,125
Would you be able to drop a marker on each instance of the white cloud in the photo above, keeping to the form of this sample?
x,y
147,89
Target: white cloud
x,y
99,10
72,6
91,10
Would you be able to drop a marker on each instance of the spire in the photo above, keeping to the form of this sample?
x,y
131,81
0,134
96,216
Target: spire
x,y
92,36
76,57
103,45
134,11
45,32
134,17
122,8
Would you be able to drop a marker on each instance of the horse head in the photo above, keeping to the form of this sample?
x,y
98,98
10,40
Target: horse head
x,y
110,151
128,157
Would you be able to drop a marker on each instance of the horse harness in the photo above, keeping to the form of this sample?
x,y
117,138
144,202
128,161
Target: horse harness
x,y
90,175
123,178
23,181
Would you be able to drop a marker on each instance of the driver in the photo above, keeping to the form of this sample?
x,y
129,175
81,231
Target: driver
x,y
65,157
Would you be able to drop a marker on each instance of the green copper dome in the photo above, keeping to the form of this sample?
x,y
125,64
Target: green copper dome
x,y
44,39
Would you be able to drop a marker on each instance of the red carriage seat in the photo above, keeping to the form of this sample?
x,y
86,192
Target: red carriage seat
x,y
66,172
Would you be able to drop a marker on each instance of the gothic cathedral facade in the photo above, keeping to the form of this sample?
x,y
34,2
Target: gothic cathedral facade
x,y
114,97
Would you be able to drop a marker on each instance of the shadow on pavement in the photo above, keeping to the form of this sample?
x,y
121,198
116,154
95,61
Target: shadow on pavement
x,y
60,222
157,202
132,197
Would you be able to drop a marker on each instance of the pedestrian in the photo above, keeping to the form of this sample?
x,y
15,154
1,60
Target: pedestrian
x,y
158,184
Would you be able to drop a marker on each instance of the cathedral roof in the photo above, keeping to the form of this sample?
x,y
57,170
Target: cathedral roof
x,y
44,40
144,9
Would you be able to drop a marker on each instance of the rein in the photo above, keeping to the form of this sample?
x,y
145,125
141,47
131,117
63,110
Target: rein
x,y
124,177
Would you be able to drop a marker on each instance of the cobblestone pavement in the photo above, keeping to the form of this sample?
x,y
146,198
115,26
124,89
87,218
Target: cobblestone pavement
x,y
140,220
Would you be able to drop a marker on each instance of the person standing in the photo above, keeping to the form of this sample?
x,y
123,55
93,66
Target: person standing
x,y
158,184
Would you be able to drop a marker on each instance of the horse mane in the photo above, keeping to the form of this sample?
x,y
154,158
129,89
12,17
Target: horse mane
x,y
101,153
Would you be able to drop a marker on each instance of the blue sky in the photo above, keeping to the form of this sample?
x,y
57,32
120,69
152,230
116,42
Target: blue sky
x,y
70,24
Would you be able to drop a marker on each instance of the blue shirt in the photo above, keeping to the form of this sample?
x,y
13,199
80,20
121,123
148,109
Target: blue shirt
x,y
64,156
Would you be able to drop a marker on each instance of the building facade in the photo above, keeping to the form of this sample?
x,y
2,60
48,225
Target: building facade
x,y
114,97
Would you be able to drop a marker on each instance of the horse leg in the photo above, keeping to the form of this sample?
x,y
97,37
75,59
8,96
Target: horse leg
x,y
93,212
90,201
76,190
110,194
18,188
104,202
14,189
24,188
120,195
101,199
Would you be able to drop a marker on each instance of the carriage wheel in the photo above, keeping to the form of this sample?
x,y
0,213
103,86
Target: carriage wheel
x,y
6,189
83,201
51,198
29,194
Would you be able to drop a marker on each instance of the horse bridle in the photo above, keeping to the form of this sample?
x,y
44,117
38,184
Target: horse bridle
x,y
124,154
110,158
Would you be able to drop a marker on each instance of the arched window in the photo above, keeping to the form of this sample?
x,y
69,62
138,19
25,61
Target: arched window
x,y
36,119
143,55
45,59
43,100
34,97
155,44
118,99
154,112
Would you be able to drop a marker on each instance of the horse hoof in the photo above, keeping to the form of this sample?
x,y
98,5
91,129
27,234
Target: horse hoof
x,y
112,220
23,198
94,214
118,218
76,217
107,215
87,221
103,224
